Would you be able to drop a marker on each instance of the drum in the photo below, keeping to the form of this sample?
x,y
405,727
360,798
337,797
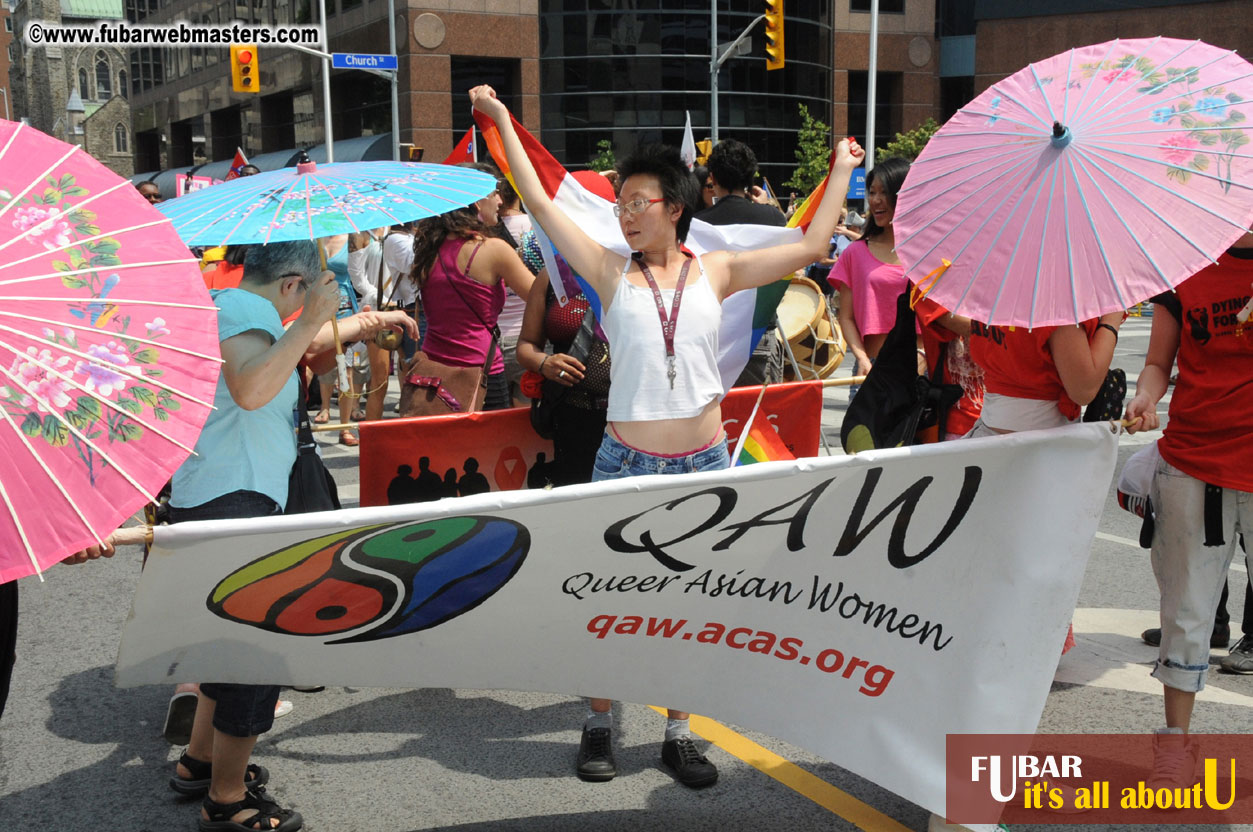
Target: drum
x,y
813,336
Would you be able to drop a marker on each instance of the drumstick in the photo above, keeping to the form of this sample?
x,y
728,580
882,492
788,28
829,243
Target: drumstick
x,y
842,382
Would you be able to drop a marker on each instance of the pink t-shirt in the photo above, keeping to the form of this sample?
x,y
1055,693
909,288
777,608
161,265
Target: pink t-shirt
x,y
875,286
458,316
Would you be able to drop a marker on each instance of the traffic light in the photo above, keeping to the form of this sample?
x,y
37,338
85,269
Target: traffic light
x,y
245,71
774,34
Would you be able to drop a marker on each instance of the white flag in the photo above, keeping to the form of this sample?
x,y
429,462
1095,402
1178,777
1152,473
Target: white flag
x,y
688,149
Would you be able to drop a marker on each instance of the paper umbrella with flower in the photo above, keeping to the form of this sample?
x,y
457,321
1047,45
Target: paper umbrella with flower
x,y
109,354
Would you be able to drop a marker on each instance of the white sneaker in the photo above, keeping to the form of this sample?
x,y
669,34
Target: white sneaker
x,y
282,708
1175,760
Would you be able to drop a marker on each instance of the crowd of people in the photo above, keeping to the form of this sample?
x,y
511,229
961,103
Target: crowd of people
x,y
633,388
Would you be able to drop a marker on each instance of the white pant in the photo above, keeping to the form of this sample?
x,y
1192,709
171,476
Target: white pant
x,y
1190,575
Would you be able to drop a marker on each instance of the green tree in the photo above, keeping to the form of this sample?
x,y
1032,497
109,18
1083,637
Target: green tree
x,y
813,153
908,145
604,158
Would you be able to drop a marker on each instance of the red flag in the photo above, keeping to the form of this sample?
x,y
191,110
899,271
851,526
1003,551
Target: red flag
x,y
464,151
237,164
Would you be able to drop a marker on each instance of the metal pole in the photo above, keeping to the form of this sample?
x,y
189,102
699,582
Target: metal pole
x,y
714,66
870,84
391,35
328,137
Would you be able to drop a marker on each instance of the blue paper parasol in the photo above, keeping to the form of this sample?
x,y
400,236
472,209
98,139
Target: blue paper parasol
x,y
311,201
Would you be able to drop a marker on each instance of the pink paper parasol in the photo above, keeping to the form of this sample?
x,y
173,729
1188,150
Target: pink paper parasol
x,y
109,353
1083,184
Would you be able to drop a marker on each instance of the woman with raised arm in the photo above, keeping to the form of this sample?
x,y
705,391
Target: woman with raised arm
x,y
664,414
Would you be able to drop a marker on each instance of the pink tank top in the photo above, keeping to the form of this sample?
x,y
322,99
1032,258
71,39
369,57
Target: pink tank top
x,y
460,311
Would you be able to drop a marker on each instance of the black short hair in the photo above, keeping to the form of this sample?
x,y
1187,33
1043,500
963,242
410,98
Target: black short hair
x,y
678,186
732,164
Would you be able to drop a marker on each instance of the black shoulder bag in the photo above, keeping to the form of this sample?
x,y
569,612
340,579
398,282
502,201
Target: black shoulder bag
x,y
544,408
310,486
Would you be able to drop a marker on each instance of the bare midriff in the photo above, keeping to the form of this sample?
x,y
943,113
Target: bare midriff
x,y
674,436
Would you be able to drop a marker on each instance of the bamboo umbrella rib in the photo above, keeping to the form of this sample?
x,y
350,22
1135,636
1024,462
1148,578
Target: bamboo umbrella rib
x,y
21,532
282,200
1129,68
335,202
993,185
1109,111
111,301
37,181
380,209
211,204
1044,234
1096,237
47,406
1022,231
230,199
1080,103
1034,128
51,477
165,345
77,206
1105,145
17,132
111,405
1084,164
1009,193
76,243
1105,117
97,362
993,174
1070,70
1159,186
93,270
966,153
1070,248
1206,127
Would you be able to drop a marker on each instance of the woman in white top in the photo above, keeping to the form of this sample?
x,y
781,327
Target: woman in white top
x,y
664,412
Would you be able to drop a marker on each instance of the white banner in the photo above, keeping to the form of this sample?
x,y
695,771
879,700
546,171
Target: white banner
x,y
859,607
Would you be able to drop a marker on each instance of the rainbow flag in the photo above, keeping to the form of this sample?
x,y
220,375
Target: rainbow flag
x,y
759,442
745,315
762,444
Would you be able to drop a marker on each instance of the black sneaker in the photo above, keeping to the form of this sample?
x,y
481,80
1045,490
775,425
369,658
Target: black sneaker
x,y
690,766
595,763
1221,637
1240,659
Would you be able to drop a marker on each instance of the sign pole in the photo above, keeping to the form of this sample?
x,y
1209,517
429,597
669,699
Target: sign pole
x,y
391,37
328,137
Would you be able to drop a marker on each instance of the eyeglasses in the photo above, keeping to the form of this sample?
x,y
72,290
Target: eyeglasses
x,y
635,206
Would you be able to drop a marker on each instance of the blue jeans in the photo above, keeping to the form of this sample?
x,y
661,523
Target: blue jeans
x,y
242,710
615,460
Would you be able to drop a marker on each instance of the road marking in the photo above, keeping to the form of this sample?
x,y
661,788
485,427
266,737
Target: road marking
x,y
861,815
1108,653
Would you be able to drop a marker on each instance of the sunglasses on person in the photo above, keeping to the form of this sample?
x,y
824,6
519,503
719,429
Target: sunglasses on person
x,y
635,206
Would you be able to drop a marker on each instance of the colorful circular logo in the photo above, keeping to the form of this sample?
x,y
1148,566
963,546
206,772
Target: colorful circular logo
x,y
375,582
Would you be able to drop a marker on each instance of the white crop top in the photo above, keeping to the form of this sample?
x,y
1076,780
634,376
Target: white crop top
x,y
639,389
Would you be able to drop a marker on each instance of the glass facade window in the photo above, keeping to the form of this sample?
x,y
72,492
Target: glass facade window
x,y
629,71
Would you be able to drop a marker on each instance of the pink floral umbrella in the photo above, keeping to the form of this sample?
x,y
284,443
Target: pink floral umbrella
x,y
108,350
1083,184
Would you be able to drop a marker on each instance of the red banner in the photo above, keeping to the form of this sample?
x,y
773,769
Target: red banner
x,y
468,453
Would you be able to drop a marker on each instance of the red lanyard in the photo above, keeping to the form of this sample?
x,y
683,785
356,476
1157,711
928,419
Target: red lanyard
x,y
667,324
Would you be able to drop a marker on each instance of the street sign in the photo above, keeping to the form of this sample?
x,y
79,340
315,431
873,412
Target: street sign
x,y
857,184
355,60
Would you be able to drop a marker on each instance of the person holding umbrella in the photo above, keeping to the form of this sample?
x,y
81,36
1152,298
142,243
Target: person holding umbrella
x,y
1202,491
241,467
665,393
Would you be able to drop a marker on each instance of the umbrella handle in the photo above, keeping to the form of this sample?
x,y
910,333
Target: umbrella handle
x,y
131,536
339,345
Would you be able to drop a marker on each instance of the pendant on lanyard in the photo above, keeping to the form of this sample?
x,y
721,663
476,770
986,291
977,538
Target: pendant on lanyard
x,y
667,324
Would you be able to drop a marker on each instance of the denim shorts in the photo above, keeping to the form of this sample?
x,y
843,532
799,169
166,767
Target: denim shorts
x,y
242,710
615,460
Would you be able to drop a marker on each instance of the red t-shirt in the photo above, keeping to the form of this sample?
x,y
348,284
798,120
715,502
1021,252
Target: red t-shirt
x,y
223,275
1018,362
964,414
1210,431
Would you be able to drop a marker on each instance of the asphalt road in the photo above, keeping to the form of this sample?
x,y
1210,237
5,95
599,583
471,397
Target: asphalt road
x,y
78,754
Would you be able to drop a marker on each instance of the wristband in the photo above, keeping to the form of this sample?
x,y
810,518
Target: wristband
x,y
1111,329
542,363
